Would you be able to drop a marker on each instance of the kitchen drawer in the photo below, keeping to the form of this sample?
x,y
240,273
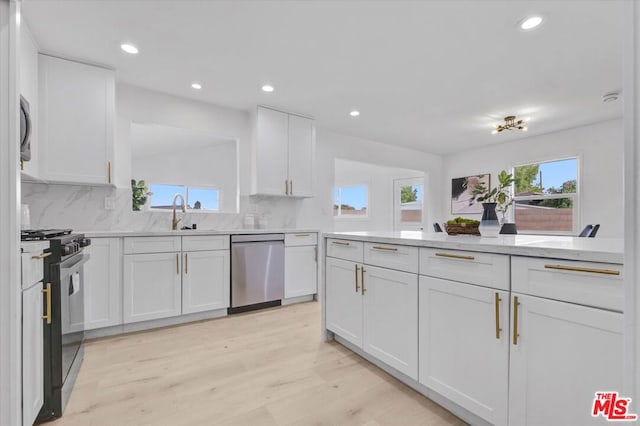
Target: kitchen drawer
x,y
585,283
134,245
401,258
205,242
343,249
485,269
32,268
301,239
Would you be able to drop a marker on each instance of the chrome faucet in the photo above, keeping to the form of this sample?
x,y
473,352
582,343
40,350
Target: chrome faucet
x,y
183,207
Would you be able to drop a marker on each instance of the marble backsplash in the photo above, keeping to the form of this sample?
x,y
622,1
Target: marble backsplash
x,y
82,208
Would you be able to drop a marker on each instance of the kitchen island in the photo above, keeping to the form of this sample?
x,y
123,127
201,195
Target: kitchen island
x,y
486,327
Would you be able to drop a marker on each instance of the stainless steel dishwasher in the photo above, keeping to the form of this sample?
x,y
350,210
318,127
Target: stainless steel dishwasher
x,y
257,271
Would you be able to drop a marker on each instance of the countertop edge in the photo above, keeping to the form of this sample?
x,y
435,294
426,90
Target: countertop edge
x,y
199,232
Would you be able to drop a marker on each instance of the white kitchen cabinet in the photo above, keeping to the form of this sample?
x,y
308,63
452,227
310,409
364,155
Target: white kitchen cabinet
x,y
32,354
464,345
390,320
152,286
76,121
300,271
284,150
29,90
564,353
205,280
344,300
103,283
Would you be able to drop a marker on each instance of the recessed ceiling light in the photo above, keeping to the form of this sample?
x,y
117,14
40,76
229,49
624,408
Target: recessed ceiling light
x,y
267,88
530,23
354,113
196,86
129,48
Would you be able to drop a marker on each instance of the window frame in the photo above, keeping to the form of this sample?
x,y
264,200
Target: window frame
x,y
186,200
350,217
397,205
575,197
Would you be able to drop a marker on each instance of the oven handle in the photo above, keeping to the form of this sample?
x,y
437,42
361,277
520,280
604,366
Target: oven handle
x,y
72,267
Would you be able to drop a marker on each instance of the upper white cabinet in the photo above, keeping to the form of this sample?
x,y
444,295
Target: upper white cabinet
x,y
284,150
76,121
103,284
29,90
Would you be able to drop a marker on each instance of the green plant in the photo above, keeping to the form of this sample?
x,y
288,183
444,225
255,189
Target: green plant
x,y
501,194
463,220
139,194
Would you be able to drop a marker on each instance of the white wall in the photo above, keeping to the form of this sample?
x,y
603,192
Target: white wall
x,y
600,149
379,180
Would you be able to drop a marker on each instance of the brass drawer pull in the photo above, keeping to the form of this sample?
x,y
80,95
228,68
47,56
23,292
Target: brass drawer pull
x,y
177,264
455,256
497,302
385,248
47,291
516,304
41,256
303,235
578,269
186,263
109,172
362,271
357,286
340,243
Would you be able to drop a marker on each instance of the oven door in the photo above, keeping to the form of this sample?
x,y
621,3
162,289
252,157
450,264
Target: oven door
x,y
72,309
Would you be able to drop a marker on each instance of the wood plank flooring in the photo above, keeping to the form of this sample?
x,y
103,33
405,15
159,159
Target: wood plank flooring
x,y
262,368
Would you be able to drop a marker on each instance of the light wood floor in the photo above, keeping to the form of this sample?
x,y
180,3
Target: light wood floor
x,y
263,368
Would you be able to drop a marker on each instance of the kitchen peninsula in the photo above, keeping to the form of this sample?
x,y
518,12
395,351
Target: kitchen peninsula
x,y
484,326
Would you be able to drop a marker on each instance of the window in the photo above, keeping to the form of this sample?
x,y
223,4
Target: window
x,y
350,201
408,205
546,197
196,198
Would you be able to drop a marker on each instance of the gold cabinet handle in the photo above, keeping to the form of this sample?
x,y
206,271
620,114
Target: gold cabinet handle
x,y
21,164
315,254
385,248
41,256
177,264
286,186
579,269
357,287
516,304
497,303
340,243
362,271
291,187
302,235
109,171
47,292
186,263
455,256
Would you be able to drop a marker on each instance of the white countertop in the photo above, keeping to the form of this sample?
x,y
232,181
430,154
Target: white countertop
x,y
609,250
98,234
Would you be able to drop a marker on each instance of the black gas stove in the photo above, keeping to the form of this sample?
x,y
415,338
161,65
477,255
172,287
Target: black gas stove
x,y
64,331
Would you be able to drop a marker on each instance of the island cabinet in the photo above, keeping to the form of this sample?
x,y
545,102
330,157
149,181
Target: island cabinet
x,y
566,339
372,305
464,329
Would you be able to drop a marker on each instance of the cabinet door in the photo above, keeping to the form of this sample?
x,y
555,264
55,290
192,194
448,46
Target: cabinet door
x,y
301,155
151,286
76,121
563,355
300,271
272,152
29,89
391,318
206,281
462,355
103,284
32,354
344,300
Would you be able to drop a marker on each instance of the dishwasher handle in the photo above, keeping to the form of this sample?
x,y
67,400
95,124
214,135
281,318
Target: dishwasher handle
x,y
256,244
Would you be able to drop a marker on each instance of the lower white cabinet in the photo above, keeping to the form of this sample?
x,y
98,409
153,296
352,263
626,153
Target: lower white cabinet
x,y
103,284
300,271
344,300
205,280
376,309
152,286
32,354
391,318
564,353
464,345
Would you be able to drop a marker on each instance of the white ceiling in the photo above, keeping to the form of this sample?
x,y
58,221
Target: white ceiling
x,y
431,75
